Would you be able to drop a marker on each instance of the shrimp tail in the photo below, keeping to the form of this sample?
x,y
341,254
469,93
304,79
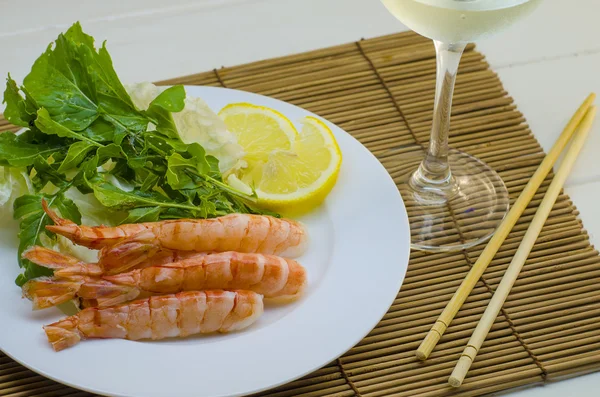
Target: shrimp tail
x,y
63,333
63,265
70,231
129,253
46,292
54,216
103,292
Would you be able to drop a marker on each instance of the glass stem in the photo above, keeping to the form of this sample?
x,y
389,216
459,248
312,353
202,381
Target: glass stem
x,y
434,172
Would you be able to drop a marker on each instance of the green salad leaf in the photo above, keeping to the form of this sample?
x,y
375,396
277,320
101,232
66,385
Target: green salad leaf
x,y
143,214
103,132
86,139
113,197
18,110
67,208
58,82
75,155
170,100
32,228
47,125
46,174
17,152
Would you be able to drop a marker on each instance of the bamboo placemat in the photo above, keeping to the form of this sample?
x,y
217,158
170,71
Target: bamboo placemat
x,y
381,91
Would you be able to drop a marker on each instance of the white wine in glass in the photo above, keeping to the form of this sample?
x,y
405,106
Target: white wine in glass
x,y
454,200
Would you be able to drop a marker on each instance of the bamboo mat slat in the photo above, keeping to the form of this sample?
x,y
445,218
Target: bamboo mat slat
x,y
381,91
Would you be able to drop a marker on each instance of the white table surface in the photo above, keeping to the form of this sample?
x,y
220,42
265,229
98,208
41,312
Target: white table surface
x,y
548,63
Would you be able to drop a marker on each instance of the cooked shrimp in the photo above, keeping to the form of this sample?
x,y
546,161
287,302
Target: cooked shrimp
x,y
47,291
158,317
134,252
91,237
164,256
65,266
274,277
233,232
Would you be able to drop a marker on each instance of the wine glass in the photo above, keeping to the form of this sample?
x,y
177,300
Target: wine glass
x,y
454,200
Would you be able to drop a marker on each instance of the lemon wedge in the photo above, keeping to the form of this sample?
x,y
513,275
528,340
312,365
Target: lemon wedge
x,y
292,172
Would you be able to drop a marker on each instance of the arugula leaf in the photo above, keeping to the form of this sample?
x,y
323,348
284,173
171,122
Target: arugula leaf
x,y
18,153
162,145
214,171
180,168
137,162
77,84
114,103
75,33
114,198
177,176
31,271
32,226
198,154
30,104
112,86
100,131
18,111
58,82
143,214
45,123
75,155
149,182
113,100
194,171
111,151
28,210
67,209
45,172
87,170
170,100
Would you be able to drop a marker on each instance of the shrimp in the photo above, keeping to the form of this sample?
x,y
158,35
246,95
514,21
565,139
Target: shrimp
x,y
132,253
66,266
276,278
159,317
63,265
164,256
233,232
47,291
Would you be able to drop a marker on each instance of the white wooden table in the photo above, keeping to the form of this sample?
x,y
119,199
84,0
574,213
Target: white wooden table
x,y
548,63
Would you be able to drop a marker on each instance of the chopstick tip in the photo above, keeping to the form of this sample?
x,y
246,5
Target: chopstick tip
x,y
431,339
460,370
454,381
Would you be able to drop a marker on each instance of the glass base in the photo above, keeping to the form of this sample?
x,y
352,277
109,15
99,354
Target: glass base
x,y
463,214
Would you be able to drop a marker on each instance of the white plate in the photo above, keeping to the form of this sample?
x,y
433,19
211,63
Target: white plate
x,y
356,262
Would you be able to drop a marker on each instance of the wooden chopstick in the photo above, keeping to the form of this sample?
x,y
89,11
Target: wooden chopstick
x,y
465,288
513,270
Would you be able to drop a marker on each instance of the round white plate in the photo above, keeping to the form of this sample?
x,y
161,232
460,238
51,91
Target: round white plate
x,y
356,263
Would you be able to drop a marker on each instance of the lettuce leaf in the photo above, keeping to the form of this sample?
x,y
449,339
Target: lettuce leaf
x,y
14,182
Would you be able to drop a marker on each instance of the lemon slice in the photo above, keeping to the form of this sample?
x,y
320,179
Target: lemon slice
x,y
290,179
259,130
